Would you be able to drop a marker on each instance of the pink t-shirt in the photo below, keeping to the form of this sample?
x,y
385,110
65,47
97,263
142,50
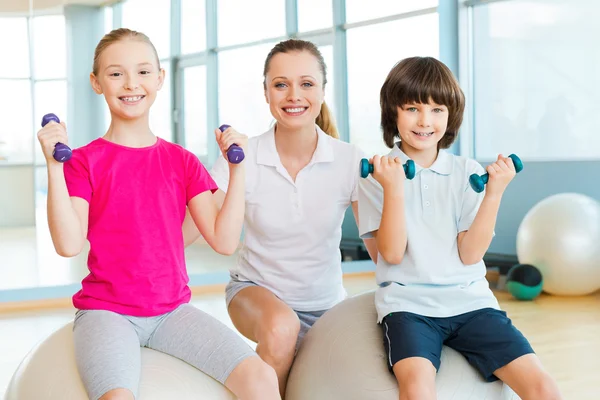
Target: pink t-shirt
x,y
137,199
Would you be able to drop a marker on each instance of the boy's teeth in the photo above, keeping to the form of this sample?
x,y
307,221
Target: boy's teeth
x,y
294,110
424,134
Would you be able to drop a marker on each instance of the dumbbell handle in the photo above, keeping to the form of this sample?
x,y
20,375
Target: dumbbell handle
x,y
366,168
478,182
235,154
61,152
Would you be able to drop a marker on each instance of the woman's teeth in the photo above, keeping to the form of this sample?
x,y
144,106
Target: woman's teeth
x,y
294,110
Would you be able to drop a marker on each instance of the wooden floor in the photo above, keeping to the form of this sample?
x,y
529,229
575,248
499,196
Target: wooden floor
x,y
565,333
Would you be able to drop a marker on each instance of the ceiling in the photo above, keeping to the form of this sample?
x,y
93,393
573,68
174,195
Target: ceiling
x,y
22,6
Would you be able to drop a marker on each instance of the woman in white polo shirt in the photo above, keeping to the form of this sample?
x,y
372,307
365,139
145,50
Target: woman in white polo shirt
x,y
300,179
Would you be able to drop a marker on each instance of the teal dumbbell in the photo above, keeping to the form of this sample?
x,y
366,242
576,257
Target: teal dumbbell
x,y
478,182
366,168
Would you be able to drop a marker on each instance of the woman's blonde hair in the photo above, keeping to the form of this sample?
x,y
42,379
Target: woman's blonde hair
x,y
325,120
118,35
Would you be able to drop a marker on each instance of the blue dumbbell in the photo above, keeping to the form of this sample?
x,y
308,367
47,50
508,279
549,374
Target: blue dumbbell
x,y
366,168
478,182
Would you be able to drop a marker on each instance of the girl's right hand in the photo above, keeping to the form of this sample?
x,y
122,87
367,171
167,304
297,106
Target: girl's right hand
x,y
49,135
389,172
230,137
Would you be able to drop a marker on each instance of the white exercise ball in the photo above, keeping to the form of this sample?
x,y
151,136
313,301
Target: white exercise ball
x,y
561,237
342,357
49,372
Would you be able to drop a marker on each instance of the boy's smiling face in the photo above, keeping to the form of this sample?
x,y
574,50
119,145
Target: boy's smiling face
x,y
421,126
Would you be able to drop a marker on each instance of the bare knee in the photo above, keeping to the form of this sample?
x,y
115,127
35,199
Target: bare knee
x,y
278,334
118,394
543,387
416,379
253,379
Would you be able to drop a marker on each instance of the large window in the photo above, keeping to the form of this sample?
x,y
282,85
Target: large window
x,y
13,41
368,67
153,18
314,14
193,26
242,101
49,47
361,10
43,76
16,132
536,79
243,21
194,110
327,53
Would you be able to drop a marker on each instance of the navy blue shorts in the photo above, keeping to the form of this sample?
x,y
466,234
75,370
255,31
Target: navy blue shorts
x,y
486,338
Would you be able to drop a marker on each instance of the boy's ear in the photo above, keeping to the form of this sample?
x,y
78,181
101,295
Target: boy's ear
x,y
95,84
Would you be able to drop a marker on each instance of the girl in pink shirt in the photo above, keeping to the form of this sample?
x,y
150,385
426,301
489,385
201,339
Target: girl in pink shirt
x,y
127,194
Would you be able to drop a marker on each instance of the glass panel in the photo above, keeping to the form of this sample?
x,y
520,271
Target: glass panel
x,y
13,41
153,18
108,19
193,26
50,97
314,14
16,132
536,80
327,52
194,110
365,77
241,95
49,47
243,21
160,113
361,10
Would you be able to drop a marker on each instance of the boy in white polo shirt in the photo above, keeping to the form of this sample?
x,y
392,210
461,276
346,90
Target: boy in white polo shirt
x,y
431,234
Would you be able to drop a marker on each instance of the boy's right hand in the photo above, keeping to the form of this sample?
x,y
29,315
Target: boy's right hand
x,y
49,135
229,137
389,172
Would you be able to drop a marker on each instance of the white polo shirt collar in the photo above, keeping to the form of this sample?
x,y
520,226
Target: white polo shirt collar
x,y
442,165
266,152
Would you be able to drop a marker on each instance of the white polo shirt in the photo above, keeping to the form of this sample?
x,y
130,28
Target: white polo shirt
x,y
431,280
293,229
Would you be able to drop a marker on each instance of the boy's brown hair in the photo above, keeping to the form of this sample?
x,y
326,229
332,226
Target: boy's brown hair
x,y
419,80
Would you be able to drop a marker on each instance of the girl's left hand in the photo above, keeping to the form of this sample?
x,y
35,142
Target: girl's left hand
x,y
501,172
229,137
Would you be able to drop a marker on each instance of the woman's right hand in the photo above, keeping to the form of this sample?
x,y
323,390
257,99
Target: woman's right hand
x,y
49,135
389,172
230,137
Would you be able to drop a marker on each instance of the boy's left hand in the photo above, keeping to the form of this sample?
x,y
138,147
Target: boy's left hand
x,y
501,172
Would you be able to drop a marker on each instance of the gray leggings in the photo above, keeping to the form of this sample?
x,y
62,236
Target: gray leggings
x,y
107,346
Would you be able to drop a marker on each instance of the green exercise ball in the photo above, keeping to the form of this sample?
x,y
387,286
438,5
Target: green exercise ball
x,y
524,282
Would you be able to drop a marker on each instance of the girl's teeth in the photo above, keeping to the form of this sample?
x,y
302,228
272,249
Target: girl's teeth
x,y
294,110
424,134
131,99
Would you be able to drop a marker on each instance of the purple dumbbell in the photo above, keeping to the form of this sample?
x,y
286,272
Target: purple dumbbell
x,y
235,154
61,152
